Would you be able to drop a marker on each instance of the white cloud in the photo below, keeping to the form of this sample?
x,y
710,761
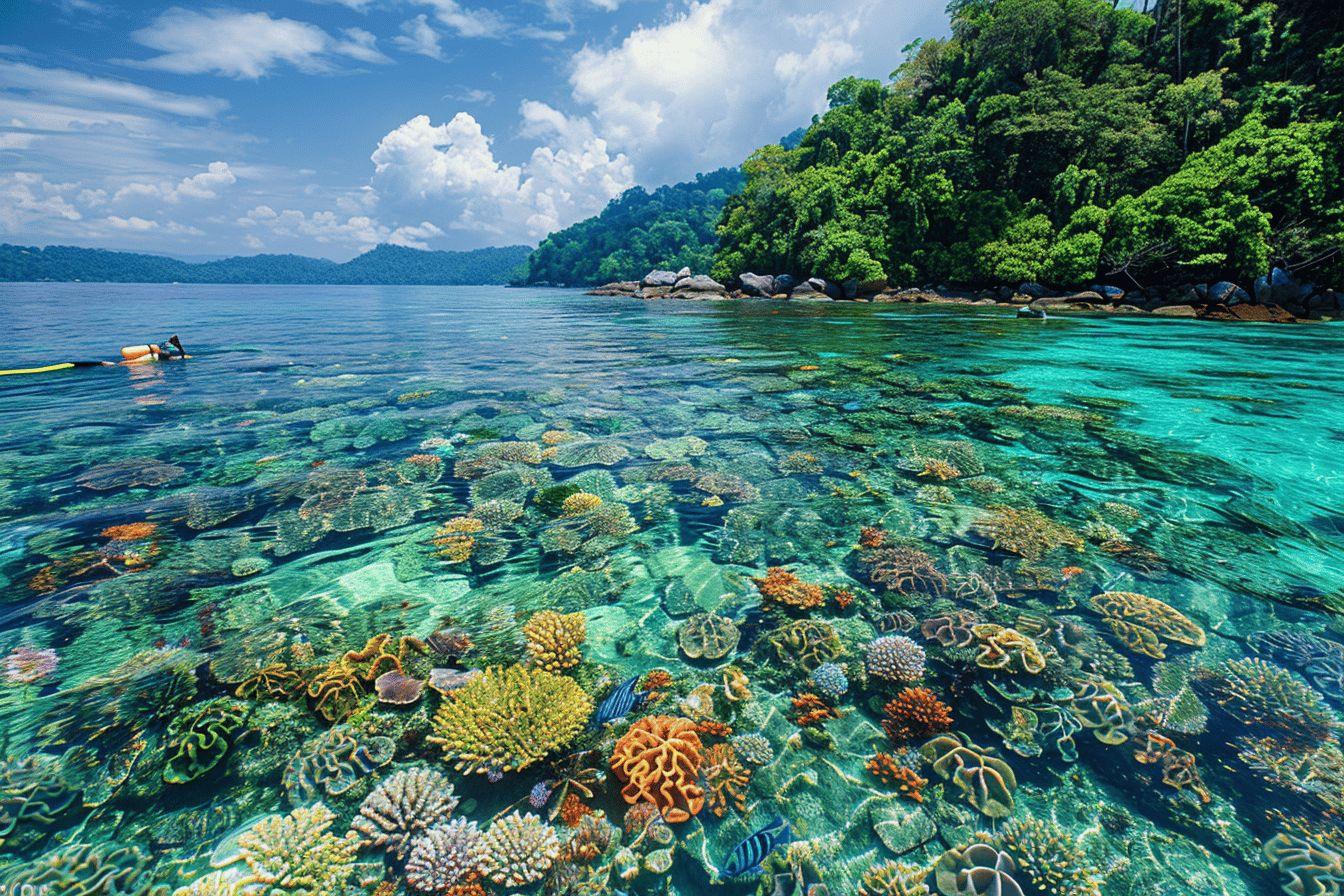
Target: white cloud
x,y
27,199
414,235
418,36
450,171
360,231
471,95
205,185
467,22
362,45
243,44
135,224
65,83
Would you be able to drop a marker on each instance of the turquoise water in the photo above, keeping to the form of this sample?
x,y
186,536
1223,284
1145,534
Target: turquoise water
x,y
337,464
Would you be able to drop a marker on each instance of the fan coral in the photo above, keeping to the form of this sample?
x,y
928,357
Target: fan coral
x,y
950,631
658,760
915,714
1321,661
987,782
402,806
295,854
1048,860
446,856
976,870
1026,532
830,680
807,643
519,849
1006,648
28,665
1141,622
708,636
726,779
1312,868
86,869
553,639
33,792
333,762
892,878
200,737
508,718
891,772
782,587
894,658
904,570
1262,694
753,748
273,682
579,503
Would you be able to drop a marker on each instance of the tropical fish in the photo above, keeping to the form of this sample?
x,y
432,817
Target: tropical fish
x,y
619,704
747,856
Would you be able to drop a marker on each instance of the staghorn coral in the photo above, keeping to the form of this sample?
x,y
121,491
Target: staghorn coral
x,y
708,636
553,639
1263,695
977,870
1025,531
658,760
295,854
783,588
806,643
726,779
334,762
1312,868
887,769
1006,648
1142,622
809,710
216,883
402,807
753,748
446,856
29,665
893,878
1048,861
915,714
34,792
508,718
894,658
519,849
492,457
987,782
88,869
904,570
200,737
455,540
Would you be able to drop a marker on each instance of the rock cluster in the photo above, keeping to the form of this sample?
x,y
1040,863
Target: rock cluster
x,y
1276,298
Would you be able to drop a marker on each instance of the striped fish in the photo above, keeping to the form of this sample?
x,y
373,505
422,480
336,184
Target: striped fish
x,y
619,704
747,856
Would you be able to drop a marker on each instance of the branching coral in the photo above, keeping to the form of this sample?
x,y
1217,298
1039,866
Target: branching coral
x,y
1008,649
892,878
782,587
29,665
987,782
508,718
887,769
579,503
1026,532
295,854
726,779
904,570
1261,694
455,540
446,856
915,714
1320,660
708,636
894,658
553,639
200,737
809,710
1142,622
658,760
519,849
1048,861
403,806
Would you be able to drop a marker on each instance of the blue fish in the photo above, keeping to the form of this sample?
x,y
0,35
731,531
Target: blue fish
x,y
619,704
747,856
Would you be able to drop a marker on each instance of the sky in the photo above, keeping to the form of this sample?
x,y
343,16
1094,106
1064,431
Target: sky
x,y
325,127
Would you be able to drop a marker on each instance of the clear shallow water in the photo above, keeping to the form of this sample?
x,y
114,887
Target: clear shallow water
x,y
1196,465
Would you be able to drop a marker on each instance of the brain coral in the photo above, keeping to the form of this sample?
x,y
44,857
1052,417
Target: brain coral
x,y
402,806
553,639
894,658
658,760
708,636
519,849
446,856
200,737
87,869
987,782
508,718
1312,868
1143,622
334,762
807,643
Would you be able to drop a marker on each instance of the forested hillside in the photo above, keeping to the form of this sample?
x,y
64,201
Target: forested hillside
x,y
672,227
1065,141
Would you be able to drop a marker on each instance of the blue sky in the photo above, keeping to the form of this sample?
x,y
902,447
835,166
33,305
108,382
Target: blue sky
x,y
327,126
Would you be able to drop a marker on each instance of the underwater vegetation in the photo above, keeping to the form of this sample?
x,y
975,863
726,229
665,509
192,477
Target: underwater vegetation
x,y
739,617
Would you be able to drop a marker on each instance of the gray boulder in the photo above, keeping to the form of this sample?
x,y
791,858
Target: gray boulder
x,y
757,284
826,287
808,291
784,283
1110,293
659,278
1176,311
1035,290
684,272
699,283
1225,293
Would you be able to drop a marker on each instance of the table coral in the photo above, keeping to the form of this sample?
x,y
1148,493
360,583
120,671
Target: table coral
x,y
402,806
553,639
519,849
986,781
508,718
658,760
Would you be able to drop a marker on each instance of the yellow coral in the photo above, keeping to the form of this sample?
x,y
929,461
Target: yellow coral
x,y
1142,622
1007,648
580,503
454,540
295,854
508,718
553,639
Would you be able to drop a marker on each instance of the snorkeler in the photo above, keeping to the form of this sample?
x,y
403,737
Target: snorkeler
x,y
169,350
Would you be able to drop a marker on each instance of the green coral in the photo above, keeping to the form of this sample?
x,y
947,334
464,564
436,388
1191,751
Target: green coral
x,y
87,869
1048,858
199,738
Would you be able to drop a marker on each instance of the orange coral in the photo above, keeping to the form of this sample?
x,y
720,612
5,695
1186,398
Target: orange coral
x,y
915,714
809,710
656,679
130,531
872,537
886,769
843,598
658,760
726,779
572,809
783,587
1178,766
713,728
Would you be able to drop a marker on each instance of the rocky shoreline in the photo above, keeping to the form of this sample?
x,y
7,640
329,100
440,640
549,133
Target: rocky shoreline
x,y
1277,298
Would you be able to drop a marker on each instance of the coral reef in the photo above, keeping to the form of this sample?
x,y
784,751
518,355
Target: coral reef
x,y
508,718
658,760
447,856
29,665
987,782
894,658
1048,861
1007,649
830,680
807,643
890,771
519,849
1142,622
725,779
296,854
893,878
955,630
1025,532
782,588
553,640
708,636
402,806
915,714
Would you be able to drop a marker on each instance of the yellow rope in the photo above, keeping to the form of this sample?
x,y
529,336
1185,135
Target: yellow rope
x,y
66,365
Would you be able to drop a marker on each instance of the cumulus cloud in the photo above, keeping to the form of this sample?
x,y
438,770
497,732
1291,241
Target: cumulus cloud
x,y
27,198
359,231
451,170
205,185
243,44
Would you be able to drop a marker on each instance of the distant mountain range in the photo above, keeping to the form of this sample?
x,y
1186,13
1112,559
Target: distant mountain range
x,y
384,264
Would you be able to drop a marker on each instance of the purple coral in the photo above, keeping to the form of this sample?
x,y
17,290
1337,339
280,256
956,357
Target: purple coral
x,y
541,793
895,658
27,665
445,856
